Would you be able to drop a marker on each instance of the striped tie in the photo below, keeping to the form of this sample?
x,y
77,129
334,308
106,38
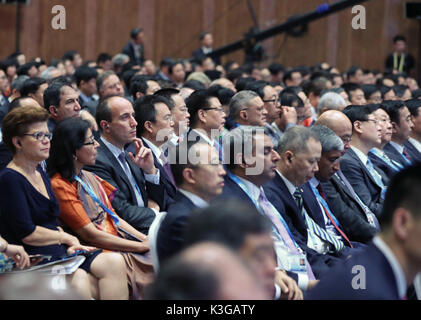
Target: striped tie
x,y
314,227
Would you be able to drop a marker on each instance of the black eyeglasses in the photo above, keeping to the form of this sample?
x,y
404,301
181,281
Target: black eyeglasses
x,y
91,142
40,136
271,100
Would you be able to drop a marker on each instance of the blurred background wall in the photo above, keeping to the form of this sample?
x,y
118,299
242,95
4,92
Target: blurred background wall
x,y
172,29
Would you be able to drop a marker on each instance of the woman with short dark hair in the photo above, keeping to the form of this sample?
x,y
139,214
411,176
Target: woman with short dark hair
x,y
29,208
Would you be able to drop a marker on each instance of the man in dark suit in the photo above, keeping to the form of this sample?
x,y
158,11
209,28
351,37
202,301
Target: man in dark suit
x,y
356,218
200,54
390,263
135,47
198,184
364,177
139,194
155,127
413,145
86,82
402,127
207,118
251,161
350,219
300,150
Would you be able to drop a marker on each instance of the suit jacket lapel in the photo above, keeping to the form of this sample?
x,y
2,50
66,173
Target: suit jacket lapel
x,y
353,155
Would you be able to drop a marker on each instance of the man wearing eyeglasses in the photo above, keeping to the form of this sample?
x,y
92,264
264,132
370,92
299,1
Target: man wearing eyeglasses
x,y
368,181
207,118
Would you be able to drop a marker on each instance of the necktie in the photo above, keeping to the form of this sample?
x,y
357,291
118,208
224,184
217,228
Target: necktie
x,y
122,158
314,227
406,156
326,211
167,168
275,217
371,217
377,178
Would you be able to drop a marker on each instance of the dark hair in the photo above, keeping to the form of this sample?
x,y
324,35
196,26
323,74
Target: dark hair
x,y
315,86
196,101
350,86
24,69
234,74
398,38
68,136
275,68
413,106
17,121
103,111
384,90
400,90
135,32
289,99
17,102
103,57
258,87
182,161
210,224
242,82
403,192
168,93
145,110
392,108
52,94
288,74
179,279
359,113
166,62
369,89
139,83
85,73
70,55
352,71
31,85
416,93
224,94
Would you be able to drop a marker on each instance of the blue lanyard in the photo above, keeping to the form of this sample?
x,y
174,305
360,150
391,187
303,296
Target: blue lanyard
x,y
391,163
88,190
324,203
246,191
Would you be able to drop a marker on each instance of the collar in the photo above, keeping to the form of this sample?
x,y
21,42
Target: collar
x,y
114,150
252,188
415,143
290,186
197,201
397,146
379,151
205,137
314,182
394,263
83,97
360,155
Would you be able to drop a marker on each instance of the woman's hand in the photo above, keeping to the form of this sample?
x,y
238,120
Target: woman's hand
x,y
19,255
73,249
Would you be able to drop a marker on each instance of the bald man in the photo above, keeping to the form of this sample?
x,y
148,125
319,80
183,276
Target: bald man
x,y
206,271
356,218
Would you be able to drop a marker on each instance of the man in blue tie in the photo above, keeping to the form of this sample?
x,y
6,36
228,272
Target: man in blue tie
x,y
392,260
140,195
365,178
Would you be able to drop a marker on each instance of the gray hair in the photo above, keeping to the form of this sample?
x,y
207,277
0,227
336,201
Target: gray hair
x,y
241,100
102,77
329,140
46,74
330,101
295,140
18,82
119,59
